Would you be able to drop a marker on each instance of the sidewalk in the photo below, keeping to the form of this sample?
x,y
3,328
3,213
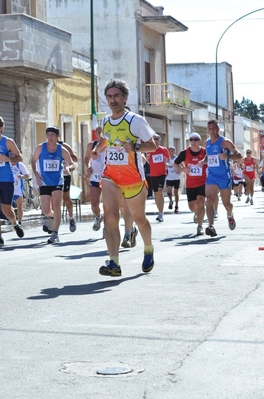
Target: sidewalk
x,y
34,216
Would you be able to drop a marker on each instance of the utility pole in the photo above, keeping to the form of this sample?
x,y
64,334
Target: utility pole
x,y
93,108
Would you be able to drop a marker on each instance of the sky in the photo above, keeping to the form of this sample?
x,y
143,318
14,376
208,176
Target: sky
x,y
241,45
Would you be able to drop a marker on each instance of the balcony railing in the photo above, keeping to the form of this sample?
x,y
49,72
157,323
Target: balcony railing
x,y
162,94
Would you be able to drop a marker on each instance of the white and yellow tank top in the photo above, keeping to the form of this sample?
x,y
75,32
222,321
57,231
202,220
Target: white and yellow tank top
x,y
122,167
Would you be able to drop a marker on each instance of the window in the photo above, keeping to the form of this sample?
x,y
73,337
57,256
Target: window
x,y
147,74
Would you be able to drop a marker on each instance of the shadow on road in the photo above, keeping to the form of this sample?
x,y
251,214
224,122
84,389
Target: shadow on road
x,y
85,289
40,244
196,240
201,241
84,255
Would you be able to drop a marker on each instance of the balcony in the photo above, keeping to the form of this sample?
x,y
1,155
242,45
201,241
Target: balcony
x,y
166,99
34,49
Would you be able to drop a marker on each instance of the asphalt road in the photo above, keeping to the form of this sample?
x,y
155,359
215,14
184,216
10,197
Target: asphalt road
x,y
191,329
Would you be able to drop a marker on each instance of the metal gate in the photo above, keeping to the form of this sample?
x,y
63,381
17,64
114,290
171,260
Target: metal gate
x,y
7,109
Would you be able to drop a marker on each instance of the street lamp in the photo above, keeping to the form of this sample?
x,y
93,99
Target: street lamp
x,y
216,62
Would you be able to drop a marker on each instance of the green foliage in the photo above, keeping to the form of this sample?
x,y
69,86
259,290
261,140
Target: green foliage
x,y
249,110
261,112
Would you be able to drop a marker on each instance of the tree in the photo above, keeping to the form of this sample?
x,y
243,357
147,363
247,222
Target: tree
x,y
248,109
261,113
237,108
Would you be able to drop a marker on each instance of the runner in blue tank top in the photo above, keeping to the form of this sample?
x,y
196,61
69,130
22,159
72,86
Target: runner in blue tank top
x,y
51,167
49,178
8,146
219,152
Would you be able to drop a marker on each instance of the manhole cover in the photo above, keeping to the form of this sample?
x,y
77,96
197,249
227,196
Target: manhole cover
x,y
101,370
114,370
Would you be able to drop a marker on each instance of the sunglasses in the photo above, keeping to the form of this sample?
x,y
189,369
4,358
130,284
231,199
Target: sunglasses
x,y
248,153
156,138
194,139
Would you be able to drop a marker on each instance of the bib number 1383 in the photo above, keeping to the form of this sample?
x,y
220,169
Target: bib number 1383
x,y
51,165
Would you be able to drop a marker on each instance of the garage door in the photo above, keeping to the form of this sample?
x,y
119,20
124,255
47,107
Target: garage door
x,y
7,111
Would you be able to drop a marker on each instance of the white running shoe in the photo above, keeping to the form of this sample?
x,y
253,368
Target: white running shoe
x,y
231,222
54,238
97,223
159,218
72,225
200,230
126,241
133,236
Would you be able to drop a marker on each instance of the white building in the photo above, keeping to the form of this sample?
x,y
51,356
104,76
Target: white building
x,y
200,78
129,44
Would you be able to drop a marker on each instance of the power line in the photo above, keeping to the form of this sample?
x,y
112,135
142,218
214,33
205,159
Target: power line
x,y
249,83
217,20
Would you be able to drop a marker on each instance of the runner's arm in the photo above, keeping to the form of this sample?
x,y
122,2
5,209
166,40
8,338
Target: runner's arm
x,y
12,147
66,156
88,154
73,156
235,154
100,146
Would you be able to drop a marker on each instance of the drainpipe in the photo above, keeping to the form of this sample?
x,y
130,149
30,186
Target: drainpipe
x,y
183,146
165,76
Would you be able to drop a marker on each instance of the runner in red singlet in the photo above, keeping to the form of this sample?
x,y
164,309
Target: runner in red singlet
x,y
250,165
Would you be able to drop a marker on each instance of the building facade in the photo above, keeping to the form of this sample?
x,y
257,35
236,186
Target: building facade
x,y
70,108
129,44
42,81
32,53
200,78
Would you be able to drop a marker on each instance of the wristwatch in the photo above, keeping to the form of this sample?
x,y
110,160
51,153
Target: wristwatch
x,y
137,145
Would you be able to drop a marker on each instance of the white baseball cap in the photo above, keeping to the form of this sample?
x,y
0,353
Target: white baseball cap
x,y
195,135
